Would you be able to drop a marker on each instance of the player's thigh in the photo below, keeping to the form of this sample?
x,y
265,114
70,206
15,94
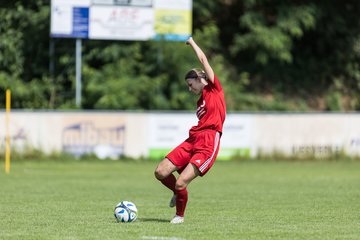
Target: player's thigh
x,y
181,155
207,148
187,175
164,169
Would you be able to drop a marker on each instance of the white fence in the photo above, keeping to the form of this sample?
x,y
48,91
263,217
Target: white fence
x,y
152,135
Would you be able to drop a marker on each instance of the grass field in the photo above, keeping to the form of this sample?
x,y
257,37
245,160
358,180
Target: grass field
x,y
235,200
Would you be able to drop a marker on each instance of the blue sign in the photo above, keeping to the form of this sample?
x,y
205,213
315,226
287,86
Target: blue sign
x,y
80,22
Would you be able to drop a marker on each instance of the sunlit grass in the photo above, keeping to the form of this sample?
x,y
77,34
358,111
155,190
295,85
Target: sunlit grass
x,y
235,200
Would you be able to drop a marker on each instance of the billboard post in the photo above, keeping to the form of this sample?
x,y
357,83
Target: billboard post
x,y
78,72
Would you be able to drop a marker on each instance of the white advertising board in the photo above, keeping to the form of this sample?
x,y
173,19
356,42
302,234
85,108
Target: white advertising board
x,y
122,20
126,23
69,18
153,135
166,131
238,136
308,134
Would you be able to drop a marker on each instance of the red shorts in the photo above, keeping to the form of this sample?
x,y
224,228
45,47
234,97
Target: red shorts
x,y
200,149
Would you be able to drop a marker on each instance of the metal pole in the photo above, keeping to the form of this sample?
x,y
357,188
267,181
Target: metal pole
x,y
78,72
52,73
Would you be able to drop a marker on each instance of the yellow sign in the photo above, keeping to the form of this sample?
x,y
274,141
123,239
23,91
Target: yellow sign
x,y
173,22
8,149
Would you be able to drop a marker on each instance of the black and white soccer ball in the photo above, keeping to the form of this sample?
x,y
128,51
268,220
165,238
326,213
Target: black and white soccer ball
x,y
125,211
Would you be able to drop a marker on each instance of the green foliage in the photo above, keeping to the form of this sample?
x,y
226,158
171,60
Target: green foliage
x,y
129,80
269,55
270,32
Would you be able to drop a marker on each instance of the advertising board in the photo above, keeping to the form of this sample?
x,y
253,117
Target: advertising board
x,y
122,19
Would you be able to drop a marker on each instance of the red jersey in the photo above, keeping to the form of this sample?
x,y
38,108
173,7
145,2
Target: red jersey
x,y
211,108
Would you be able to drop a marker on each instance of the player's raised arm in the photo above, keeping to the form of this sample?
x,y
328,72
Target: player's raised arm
x,y
202,58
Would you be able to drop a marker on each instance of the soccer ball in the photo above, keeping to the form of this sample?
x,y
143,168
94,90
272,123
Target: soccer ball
x,y
125,211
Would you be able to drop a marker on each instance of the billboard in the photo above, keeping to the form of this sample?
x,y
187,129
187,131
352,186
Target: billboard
x,y
122,19
153,135
166,131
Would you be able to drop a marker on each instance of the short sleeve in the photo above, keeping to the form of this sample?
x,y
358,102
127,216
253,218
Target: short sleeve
x,y
216,84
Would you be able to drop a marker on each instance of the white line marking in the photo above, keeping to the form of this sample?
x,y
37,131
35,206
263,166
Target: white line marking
x,y
161,238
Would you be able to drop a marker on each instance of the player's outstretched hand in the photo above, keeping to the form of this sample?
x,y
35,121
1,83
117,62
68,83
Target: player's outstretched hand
x,y
188,42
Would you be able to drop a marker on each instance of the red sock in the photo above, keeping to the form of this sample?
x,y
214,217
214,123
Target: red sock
x,y
169,182
181,200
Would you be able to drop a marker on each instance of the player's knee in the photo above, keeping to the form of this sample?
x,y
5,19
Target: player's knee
x,y
180,184
159,173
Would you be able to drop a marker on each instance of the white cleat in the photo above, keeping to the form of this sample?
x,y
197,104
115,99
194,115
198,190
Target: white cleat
x,y
177,219
173,201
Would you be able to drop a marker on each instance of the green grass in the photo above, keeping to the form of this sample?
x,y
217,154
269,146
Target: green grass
x,y
235,200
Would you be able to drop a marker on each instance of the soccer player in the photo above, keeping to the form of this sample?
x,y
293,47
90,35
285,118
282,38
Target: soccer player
x,y
196,155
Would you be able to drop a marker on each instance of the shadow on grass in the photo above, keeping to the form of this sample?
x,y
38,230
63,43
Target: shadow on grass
x,y
153,220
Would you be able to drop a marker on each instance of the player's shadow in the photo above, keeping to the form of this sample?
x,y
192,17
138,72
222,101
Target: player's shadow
x,y
153,220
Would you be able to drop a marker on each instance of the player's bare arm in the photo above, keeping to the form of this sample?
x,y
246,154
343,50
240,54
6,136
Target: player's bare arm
x,y
202,58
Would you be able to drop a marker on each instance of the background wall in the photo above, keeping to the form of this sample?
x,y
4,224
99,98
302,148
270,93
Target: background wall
x,y
152,135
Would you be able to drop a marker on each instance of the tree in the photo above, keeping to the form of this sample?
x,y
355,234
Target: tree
x,y
270,55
